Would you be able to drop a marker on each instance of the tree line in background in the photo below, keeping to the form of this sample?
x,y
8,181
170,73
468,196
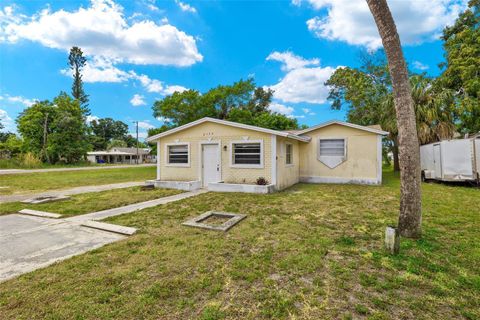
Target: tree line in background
x,y
241,102
58,131
445,106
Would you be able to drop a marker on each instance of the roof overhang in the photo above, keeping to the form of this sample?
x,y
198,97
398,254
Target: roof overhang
x,y
227,123
346,124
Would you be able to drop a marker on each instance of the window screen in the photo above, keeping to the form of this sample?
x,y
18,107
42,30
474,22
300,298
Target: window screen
x,y
246,153
332,147
288,153
178,154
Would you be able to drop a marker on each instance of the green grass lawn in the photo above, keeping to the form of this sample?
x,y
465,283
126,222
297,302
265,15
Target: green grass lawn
x,y
91,202
37,182
310,252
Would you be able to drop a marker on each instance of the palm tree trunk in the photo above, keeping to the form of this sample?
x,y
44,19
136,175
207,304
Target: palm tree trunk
x,y
410,218
396,165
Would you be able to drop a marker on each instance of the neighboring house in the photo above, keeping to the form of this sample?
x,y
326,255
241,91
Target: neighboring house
x,y
120,155
228,156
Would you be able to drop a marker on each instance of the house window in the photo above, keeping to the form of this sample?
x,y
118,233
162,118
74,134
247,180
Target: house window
x,y
288,153
178,154
332,147
247,154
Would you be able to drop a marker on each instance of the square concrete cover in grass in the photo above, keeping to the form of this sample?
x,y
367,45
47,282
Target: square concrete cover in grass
x,y
202,221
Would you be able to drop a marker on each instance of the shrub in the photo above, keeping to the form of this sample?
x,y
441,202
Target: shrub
x,y
262,181
29,160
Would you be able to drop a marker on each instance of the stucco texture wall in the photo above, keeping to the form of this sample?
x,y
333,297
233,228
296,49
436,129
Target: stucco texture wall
x,y
287,174
361,162
215,132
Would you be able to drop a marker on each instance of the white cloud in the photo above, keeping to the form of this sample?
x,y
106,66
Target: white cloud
x,y
156,86
18,99
420,66
145,125
186,7
141,135
280,108
291,61
163,119
6,121
352,22
302,83
102,30
91,118
172,89
137,100
100,70
308,111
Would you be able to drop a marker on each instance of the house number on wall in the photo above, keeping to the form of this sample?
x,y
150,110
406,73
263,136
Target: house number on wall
x,y
206,134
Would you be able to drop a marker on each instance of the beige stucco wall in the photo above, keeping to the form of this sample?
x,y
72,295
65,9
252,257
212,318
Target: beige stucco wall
x,y
287,175
224,134
362,155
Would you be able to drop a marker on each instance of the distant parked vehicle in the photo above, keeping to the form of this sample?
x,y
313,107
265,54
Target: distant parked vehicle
x,y
451,160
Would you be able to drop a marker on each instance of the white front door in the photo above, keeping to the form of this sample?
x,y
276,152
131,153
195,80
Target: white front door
x,y
210,164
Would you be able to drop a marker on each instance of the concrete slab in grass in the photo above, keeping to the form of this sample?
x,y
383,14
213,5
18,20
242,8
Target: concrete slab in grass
x,y
45,199
29,243
202,220
37,213
109,227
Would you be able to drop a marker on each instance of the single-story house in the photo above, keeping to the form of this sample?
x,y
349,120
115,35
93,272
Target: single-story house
x,y
228,156
120,155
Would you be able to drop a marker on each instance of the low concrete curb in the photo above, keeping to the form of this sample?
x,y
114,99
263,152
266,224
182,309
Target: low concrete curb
x,y
42,214
109,227
45,199
99,215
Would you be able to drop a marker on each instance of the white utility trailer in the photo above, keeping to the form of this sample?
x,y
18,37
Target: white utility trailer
x,y
451,160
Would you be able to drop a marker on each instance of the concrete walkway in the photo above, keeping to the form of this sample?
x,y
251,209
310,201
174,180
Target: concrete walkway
x,y
29,243
22,171
68,192
99,215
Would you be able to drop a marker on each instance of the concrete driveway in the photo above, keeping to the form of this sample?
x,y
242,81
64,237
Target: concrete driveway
x,y
28,243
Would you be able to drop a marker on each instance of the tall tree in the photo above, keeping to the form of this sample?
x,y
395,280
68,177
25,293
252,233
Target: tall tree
x,y
62,122
68,141
462,66
77,62
31,126
106,129
410,218
240,102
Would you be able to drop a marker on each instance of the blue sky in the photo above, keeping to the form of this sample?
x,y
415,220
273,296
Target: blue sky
x,y
140,51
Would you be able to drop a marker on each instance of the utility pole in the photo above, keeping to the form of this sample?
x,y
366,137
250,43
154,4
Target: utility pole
x,y
45,125
136,122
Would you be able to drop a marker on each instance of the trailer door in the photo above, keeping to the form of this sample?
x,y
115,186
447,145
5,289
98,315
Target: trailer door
x,y
437,161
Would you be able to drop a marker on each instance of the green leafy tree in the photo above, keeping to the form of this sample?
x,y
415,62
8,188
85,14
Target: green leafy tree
x,y
366,92
462,66
12,146
115,143
54,131
68,141
106,129
35,126
240,102
77,62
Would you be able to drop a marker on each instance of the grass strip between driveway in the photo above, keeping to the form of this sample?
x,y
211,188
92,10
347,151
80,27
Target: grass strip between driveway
x,y
92,202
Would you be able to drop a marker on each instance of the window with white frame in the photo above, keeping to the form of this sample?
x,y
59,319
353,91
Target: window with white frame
x,y
332,147
247,153
289,153
177,154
